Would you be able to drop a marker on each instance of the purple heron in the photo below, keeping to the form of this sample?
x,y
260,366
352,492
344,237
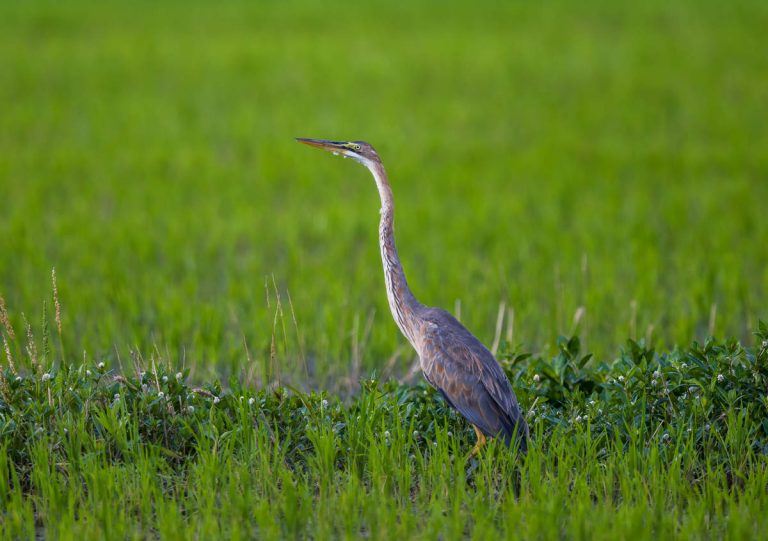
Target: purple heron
x,y
453,361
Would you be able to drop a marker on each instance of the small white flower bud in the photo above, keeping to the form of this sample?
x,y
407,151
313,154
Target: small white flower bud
x,y
216,399
161,394
720,378
165,379
386,434
657,374
251,401
325,403
190,409
116,397
415,433
179,375
621,379
46,376
654,383
87,372
536,378
100,366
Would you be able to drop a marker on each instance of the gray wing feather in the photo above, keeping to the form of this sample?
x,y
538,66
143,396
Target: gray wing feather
x,y
469,377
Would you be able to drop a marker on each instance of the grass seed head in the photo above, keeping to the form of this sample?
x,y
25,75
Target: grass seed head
x,y
5,320
56,303
8,355
31,347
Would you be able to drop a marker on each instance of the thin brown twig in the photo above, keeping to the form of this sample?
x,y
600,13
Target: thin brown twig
x,y
499,325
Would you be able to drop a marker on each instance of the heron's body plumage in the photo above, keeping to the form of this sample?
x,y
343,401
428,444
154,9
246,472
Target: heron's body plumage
x,y
468,376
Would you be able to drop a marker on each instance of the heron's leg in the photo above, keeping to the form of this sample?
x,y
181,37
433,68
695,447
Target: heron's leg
x,y
480,441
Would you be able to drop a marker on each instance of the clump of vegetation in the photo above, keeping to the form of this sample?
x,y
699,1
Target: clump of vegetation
x,y
696,391
695,394
70,433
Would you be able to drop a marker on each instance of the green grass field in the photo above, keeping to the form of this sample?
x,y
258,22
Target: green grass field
x,y
551,157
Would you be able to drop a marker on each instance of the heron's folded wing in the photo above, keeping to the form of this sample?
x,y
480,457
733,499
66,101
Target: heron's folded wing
x,y
467,374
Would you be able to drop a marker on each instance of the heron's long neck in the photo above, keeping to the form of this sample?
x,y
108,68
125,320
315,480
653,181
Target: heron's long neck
x,y
404,306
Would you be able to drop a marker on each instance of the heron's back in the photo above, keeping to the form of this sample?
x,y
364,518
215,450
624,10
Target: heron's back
x,y
467,374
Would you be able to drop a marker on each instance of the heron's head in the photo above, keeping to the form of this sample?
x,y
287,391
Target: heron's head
x,y
357,150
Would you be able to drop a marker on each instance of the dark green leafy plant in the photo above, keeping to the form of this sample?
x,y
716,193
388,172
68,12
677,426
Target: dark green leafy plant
x,y
691,394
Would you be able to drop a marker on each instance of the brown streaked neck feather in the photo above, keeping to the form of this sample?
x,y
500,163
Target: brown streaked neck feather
x,y
402,303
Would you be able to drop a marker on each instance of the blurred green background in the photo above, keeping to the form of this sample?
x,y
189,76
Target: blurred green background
x,y
550,156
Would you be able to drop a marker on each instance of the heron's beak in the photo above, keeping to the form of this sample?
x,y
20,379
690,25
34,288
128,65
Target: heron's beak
x,y
331,146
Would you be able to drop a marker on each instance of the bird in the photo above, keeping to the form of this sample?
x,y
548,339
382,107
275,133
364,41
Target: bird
x,y
452,359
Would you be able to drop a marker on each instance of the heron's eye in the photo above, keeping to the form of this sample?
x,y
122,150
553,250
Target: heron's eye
x,y
353,146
